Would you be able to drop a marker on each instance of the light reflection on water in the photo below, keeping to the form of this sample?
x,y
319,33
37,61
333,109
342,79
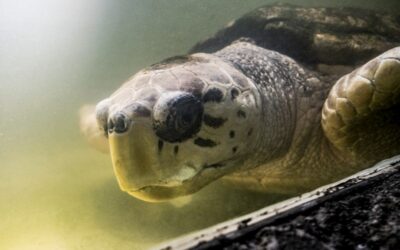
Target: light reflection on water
x,y
55,56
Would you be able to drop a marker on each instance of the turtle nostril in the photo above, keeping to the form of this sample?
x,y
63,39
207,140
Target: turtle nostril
x,y
121,123
118,124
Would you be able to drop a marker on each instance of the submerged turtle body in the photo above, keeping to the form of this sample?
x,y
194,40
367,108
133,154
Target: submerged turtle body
x,y
265,107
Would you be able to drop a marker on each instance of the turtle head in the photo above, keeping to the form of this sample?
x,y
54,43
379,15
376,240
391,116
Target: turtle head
x,y
179,125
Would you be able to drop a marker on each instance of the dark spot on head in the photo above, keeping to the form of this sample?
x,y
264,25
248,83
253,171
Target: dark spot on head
x,y
232,134
195,86
234,149
241,114
250,132
204,142
141,111
234,94
176,149
214,122
152,98
160,145
213,95
214,165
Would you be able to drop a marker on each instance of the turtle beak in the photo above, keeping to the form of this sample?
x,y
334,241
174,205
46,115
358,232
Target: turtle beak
x,y
133,158
143,173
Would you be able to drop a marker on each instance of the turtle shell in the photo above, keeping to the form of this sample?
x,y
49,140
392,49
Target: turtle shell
x,y
332,36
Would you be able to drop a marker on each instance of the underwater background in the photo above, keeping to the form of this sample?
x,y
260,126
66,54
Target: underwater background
x,y
55,56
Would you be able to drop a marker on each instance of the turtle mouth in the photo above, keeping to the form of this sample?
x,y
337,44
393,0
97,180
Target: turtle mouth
x,y
170,189
160,192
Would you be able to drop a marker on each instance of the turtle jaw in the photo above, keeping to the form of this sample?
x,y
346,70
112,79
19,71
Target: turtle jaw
x,y
143,174
188,186
160,193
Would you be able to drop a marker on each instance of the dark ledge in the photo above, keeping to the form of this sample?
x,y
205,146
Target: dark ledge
x,y
359,212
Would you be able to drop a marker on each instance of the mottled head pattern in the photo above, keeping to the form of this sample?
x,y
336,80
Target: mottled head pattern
x,y
180,124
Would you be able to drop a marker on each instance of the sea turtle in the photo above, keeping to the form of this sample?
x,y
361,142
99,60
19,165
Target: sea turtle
x,y
261,104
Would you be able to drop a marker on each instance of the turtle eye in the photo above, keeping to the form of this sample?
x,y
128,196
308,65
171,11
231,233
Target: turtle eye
x,y
177,117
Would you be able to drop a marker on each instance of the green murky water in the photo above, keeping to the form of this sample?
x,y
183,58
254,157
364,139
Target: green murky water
x,y
55,56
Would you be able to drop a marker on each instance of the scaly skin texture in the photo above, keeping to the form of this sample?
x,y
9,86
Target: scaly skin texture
x,y
360,120
292,152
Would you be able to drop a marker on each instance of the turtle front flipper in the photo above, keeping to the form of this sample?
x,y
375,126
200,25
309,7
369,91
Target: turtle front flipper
x,y
361,116
91,130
